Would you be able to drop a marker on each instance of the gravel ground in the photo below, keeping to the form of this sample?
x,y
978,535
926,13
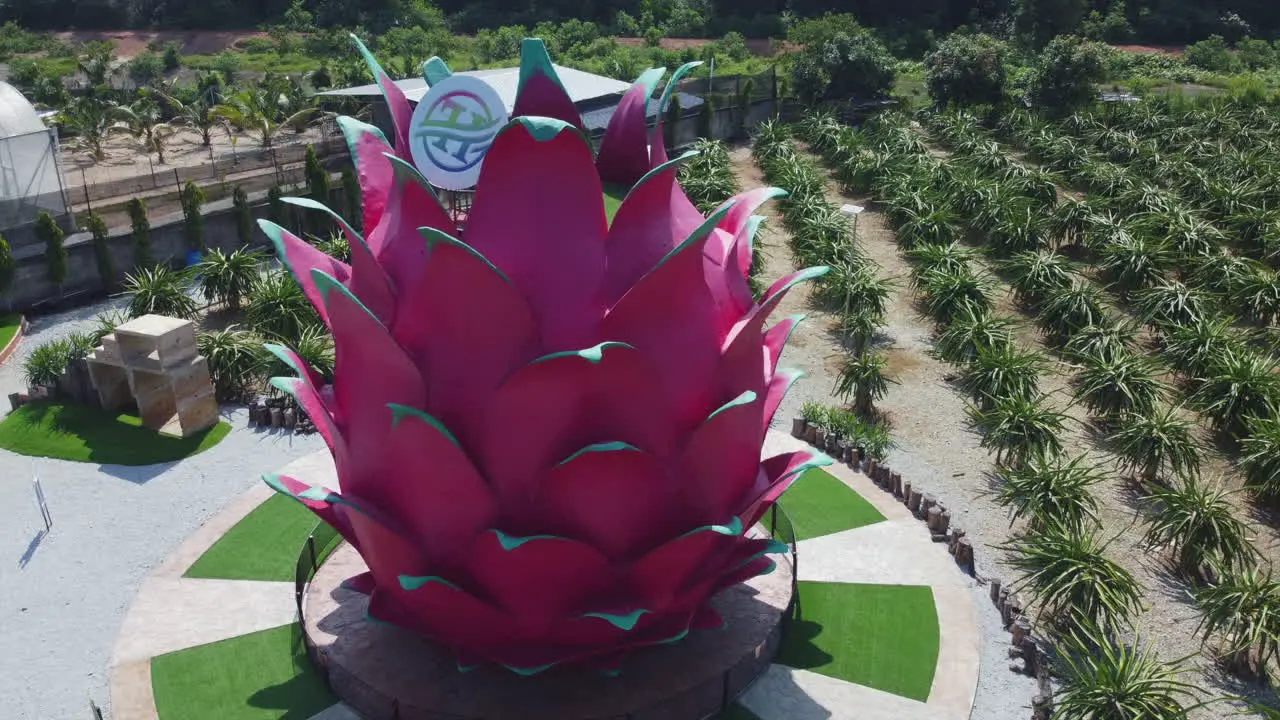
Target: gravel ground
x,y
63,595
935,446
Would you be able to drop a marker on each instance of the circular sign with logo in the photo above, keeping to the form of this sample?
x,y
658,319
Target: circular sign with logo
x,y
452,128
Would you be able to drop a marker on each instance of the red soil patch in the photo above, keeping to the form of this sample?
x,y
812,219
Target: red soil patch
x,y
194,42
764,47
1172,50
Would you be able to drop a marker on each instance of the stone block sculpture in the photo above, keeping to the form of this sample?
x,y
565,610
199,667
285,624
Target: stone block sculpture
x,y
548,437
153,362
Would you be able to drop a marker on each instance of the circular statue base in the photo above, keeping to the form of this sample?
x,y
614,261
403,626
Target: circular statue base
x,y
385,673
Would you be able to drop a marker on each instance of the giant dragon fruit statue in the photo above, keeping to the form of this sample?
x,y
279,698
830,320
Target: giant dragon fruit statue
x,y
548,429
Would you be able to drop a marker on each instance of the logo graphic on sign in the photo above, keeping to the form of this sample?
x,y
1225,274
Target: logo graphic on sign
x,y
452,128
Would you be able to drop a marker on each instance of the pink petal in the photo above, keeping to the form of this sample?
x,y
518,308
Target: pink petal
x,y
321,501
538,579
439,497
779,384
370,372
624,150
658,577
775,477
562,403
645,230
775,340
671,318
397,103
548,237
540,92
368,282
451,615
723,454
612,496
467,328
395,242
300,257
367,146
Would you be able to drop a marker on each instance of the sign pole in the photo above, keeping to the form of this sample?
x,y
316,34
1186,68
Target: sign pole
x,y
44,506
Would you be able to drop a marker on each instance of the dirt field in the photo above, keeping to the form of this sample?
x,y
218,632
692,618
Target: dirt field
x,y
194,42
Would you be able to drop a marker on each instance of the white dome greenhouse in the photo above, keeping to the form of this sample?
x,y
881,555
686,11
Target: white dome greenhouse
x,y
29,176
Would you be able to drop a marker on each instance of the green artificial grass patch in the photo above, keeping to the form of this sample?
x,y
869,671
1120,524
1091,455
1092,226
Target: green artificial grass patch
x,y
820,504
67,431
262,546
9,325
260,676
613,197
881,636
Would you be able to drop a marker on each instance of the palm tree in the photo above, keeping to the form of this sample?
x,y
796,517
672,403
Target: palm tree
x,y
1113,387
159,290
92,122
863,378
146,122
1051,491
1068,576
1244,608
1241,384
257,111
196,115
1193,519
1260,456
974,331
1157,444
1019,429
1103,678
1002,373
226,278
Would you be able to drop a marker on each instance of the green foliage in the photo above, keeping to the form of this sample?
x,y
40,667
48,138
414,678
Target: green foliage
x,y
1193,519
966,70
1260,456
97,228
335,245
864,380
1157,444
1072,582
141,234
1048,492
7,268
1240,386
706,119
275,206
244,216
1019,429
1063,77
1002,373
55,255
846,66
235,360
1103,678
46,363
159,290
192,217
1243,608
278,309
226,278
1212,54
1113,387
1042,21
352,198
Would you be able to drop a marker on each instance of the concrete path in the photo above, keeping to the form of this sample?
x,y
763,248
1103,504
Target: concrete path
x,y
897,551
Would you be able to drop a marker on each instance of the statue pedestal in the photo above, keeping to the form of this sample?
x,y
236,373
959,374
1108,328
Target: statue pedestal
x,y
383,672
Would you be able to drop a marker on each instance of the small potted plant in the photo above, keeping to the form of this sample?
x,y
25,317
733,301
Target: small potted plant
x,y
815,416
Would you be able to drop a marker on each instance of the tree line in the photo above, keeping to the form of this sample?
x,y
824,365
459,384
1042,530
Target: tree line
x,y
912,24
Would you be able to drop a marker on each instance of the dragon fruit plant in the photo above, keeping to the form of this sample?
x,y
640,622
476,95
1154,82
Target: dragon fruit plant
x,y
547,431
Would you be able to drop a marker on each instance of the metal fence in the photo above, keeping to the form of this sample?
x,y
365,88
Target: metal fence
x,y
324,540
286,155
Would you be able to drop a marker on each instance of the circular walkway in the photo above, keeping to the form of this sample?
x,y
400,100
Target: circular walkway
x,y
884,566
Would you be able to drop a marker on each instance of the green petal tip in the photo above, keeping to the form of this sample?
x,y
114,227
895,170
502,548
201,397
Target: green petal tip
x,y
511,542
615,446
625,621
400,412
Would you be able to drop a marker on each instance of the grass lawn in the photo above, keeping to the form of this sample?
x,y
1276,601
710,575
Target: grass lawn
x,y
262,546
881,636
613,197
8,328
261,676
820,504
83,434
